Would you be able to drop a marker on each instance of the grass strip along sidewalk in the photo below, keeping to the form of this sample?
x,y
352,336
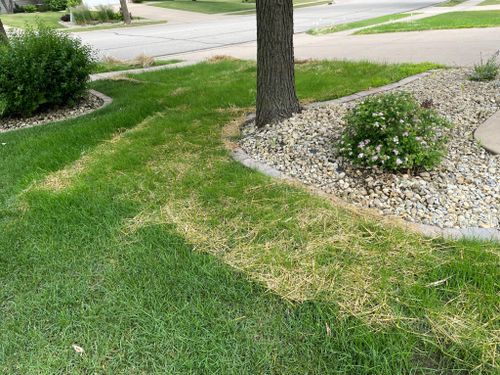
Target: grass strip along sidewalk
x,y
358,24
452,20
118,65
132,233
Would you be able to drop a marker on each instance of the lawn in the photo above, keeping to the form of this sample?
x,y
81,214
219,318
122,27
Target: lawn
x,y
452,20
220,6
358,24
23,20
133,234
51,19
490,2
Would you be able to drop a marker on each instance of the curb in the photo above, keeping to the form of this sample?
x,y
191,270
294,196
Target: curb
x,y
483,234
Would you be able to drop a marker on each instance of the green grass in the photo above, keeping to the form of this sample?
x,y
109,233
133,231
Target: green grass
x,y
51,19
132,233
452,20
107,66
23,20
358,24
490,2
450,3
219,6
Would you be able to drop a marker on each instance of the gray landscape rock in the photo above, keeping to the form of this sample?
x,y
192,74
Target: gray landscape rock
x,y
462,192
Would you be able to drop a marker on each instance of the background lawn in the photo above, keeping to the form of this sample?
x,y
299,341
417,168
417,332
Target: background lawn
x,y
132,233
51,19
490,2
358,24
452,20
220,6
23,20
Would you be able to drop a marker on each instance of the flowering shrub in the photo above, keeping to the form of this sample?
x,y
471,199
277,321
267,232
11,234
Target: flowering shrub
x,y
394,132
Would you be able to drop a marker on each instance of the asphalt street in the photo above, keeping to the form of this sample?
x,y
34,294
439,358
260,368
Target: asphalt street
x,y
184,34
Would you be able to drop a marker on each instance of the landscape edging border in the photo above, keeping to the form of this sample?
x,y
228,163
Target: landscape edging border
x,y
105,99
474,233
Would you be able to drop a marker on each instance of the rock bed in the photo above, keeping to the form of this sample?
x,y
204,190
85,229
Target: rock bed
x,y
463,192
88,104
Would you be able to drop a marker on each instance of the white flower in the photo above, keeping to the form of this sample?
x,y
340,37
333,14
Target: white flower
x,y
361,156
399,161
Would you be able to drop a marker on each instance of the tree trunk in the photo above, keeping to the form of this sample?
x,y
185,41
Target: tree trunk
x,y
125,13
3,33
8,5
276,96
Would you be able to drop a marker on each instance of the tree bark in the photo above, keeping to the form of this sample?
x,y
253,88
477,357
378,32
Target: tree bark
x,y
125,13
8,5
276,95
3,34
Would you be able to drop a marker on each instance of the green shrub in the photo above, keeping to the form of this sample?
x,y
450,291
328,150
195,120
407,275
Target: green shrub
x,y
42,69
30,8
106,14
56,5
82,15
486,70
73,3
394,132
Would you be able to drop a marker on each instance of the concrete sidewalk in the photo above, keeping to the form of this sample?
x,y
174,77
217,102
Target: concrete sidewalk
x,y
461,47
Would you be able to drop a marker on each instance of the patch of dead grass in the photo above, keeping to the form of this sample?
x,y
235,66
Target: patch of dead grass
x,y
218,58
63,179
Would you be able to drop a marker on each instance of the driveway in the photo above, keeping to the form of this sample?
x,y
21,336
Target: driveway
x,y
189,32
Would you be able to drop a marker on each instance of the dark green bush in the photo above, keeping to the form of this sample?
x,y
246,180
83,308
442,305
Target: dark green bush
x,y
394,132
41,69
56,5
30,8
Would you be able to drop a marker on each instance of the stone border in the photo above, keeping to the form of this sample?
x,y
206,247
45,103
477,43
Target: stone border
x,y
484,234
106,100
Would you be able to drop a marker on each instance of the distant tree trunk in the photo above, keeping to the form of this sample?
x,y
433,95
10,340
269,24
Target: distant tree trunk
x,y
3,33
8,5
276,96
125,13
